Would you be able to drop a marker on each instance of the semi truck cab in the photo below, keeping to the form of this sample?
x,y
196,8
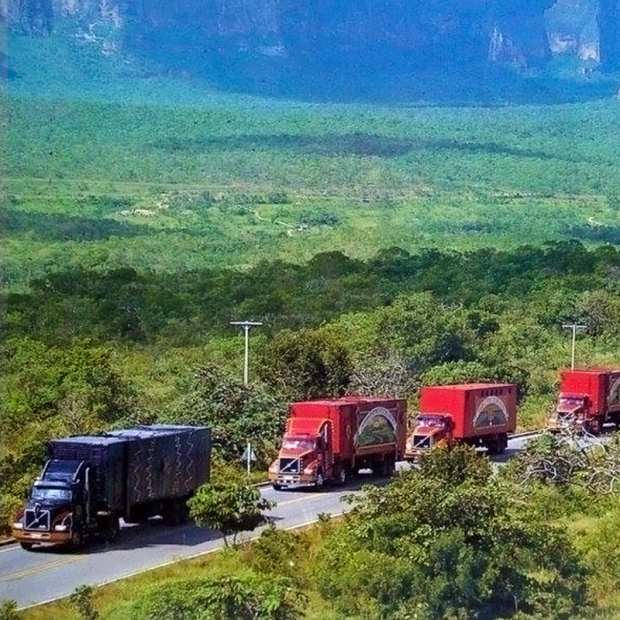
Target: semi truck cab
x,y
570,413
90,482
59,510
429,430
305,458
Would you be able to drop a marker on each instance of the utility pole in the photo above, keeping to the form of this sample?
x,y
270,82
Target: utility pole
x,y
574,327
246,327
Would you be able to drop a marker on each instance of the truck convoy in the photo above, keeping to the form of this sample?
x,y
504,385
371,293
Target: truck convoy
x,y
90,482
587,400
328,440
478,414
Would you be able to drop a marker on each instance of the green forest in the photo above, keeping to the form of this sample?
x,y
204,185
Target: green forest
x,y
382,249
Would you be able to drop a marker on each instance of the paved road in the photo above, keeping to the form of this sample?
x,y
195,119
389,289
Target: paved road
x,y
42,576
36,577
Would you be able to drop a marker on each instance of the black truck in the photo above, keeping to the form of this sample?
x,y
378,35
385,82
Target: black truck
x,y
91,482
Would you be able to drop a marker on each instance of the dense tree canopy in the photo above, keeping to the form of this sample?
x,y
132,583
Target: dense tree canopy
x,y
448,541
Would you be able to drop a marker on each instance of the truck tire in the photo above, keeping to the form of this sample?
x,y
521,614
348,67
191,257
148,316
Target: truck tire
x,y
276,487
503,444
183,510
175,512
320,481
77,539
110,529
169,513
390,465
26,546
342,477
496,446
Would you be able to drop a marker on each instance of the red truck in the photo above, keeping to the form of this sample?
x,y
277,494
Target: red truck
x,y
587,400
328,440
478,414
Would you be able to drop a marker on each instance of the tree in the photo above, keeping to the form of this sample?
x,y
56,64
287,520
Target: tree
x,y
549,459
81,382
82,599
565,460
229,508
9,611
235,412
450,541
306,364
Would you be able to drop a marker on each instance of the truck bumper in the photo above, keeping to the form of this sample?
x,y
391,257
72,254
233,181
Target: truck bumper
x,y
413,456
53,538
292,481
559,426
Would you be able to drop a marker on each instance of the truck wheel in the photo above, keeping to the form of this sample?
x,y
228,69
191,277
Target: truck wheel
x,y
175,512
76,539
170,513
492,446
111,529
183,511
502,445
320,481
390,466
26,546
276,487
342,477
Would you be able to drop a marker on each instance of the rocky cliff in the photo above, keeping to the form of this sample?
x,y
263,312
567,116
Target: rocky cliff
x,y
286,37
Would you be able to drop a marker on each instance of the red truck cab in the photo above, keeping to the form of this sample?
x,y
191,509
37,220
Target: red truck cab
x,y
431,429
306,454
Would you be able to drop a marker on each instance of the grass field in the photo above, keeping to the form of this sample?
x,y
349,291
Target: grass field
x,y
186,187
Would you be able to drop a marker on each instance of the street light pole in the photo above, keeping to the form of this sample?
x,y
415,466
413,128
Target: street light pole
x,y
246,328
574,327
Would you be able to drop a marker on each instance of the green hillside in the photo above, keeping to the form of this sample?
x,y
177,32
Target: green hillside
x,y
177,188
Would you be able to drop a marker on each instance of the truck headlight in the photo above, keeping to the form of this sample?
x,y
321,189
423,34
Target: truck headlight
x,y
18,525
60,528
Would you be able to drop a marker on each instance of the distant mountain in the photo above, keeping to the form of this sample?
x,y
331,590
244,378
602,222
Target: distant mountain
x,y
283,45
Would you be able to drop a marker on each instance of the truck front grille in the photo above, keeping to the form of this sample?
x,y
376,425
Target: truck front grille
x,y
421,441
37,520
290,466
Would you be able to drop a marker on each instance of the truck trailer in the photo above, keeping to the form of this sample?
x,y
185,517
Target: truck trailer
x,y
326,441
90,482
476,414
587,400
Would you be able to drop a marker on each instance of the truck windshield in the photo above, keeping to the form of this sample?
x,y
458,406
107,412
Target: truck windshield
x,y
50,493
569,403
430,420
298,443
